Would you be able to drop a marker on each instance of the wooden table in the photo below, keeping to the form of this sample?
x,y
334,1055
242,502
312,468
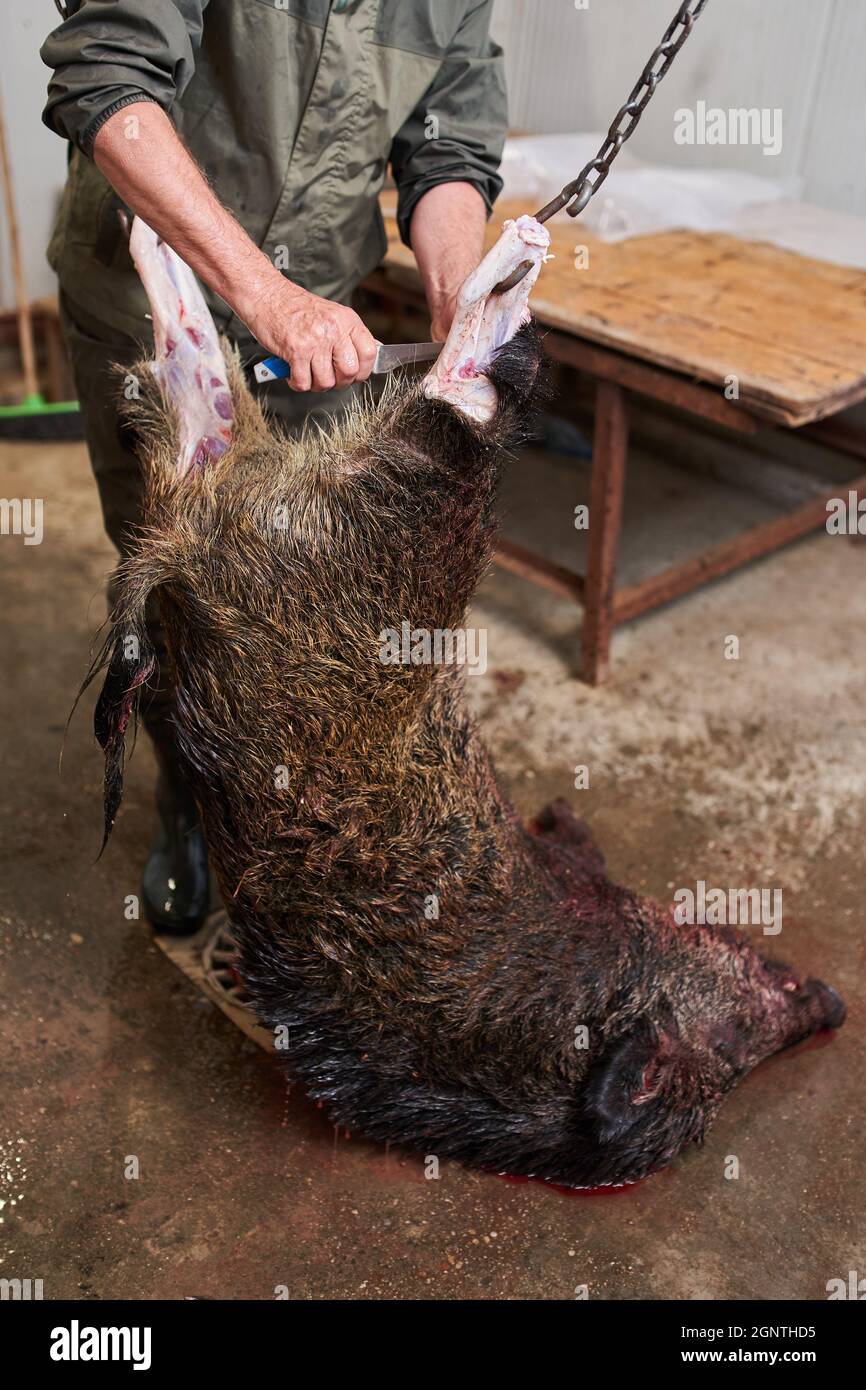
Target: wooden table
x,y
688,319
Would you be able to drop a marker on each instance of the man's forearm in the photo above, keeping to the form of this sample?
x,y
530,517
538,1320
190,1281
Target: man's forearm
x,y
447,235
325,344
158,179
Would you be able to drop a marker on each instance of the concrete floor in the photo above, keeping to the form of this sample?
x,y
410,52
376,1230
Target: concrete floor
x,y
734,772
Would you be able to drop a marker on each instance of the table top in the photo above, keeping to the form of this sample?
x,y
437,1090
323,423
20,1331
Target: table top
x,y
705,305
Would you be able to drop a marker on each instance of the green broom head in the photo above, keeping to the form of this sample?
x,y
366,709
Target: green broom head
x,y
35,418
35,405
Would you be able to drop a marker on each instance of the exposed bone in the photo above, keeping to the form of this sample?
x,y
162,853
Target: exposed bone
x,y
189,363
484,321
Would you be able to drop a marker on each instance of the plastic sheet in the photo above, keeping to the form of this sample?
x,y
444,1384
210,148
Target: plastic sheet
x,y
639,198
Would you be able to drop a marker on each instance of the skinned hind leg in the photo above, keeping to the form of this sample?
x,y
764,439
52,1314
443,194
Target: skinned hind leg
x,y
485,320
189,364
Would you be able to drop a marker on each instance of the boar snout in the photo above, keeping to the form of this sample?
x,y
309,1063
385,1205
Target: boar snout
x,y
805,1006
798,1009
825,1004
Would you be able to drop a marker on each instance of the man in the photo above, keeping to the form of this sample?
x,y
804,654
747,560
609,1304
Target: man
x,y
254,136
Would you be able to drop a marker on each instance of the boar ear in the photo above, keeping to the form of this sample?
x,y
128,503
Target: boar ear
x,y
635,1071
129,661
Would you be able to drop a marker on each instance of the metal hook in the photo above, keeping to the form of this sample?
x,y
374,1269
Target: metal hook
x,y
542,215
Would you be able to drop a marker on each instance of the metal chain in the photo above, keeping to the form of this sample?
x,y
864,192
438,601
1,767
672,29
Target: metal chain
x,y
578,193
581,189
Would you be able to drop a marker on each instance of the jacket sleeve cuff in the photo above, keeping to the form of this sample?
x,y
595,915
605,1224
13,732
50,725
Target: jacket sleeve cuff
x,y
90,132
105,56
489,185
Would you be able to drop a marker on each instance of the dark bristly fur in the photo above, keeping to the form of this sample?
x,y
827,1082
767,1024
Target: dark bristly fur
x,y
278,567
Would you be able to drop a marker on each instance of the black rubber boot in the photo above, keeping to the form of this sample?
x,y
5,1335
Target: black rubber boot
x,y
175,886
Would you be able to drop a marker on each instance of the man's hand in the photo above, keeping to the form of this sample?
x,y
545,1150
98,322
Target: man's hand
x,y
447,235
325,344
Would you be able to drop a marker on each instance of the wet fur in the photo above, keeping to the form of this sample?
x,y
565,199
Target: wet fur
x,y
277,570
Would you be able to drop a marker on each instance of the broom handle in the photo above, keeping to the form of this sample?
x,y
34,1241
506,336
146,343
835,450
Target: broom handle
x,y
25,325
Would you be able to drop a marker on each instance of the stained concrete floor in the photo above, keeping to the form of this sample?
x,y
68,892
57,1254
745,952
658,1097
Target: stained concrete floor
x,y
737,772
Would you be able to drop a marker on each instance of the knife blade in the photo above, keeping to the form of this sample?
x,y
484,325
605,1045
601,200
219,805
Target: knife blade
x,y
388,356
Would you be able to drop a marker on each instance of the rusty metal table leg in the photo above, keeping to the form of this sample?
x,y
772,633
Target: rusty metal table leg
x,y
609,449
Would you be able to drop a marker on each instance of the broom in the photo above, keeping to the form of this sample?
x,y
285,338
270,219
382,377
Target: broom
x,y
34,418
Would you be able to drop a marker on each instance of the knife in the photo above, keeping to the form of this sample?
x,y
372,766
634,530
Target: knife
x,y
388,357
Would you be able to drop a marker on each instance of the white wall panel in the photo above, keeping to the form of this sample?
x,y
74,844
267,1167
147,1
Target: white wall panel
x,y
38,158
570,69
834,162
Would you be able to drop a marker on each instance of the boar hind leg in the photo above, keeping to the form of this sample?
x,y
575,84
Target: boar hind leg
x,y
485,321
189,367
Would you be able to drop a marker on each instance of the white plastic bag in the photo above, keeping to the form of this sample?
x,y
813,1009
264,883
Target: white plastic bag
x,y
638,198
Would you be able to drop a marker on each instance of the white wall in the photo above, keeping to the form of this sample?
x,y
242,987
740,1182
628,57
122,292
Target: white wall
x,y
571,69
38,158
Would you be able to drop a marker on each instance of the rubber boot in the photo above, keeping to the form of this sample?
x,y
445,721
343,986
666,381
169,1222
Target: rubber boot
x,y
175,886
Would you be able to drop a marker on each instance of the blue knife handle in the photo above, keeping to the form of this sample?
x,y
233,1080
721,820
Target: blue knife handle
x,y
276,367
